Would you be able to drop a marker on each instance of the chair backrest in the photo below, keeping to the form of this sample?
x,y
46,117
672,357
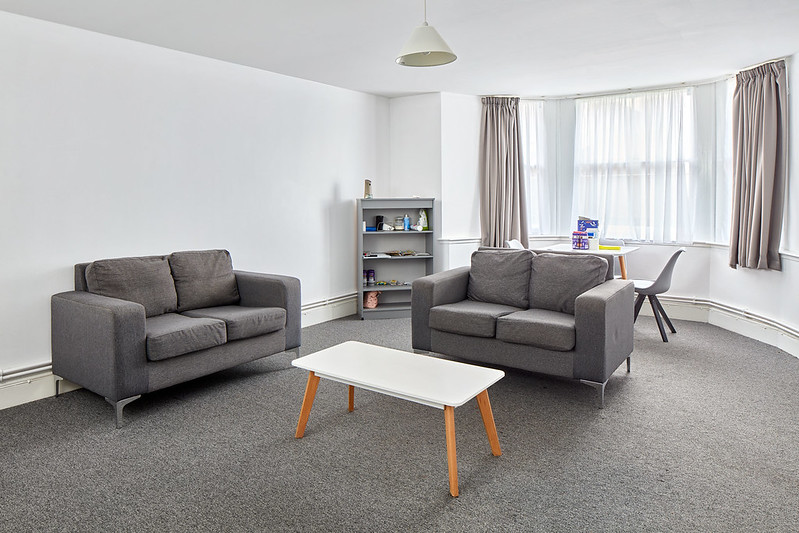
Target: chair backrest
x,y
663,281
514,244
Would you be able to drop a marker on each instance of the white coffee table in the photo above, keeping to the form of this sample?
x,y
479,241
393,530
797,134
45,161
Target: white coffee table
x,y
427,380
609,254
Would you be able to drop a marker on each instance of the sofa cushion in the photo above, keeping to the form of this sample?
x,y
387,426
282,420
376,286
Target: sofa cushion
x,y
144,280
172,334
558,279
500,277
204,278
244,322
468,317
543,328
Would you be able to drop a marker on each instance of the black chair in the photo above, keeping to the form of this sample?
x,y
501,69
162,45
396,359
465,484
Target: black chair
x,y
650,289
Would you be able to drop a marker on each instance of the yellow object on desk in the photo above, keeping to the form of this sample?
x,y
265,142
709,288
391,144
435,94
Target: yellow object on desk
x,y
603,247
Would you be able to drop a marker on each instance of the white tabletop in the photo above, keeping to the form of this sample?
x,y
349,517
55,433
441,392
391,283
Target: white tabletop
x,y
417,378
624,250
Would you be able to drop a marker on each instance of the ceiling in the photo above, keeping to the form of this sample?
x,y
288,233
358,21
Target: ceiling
x,y
521,47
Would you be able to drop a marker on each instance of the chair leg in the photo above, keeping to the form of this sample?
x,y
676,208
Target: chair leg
x,y
665,316
639,301
653,303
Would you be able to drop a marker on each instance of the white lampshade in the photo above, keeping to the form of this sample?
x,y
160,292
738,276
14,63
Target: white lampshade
x,y
425,48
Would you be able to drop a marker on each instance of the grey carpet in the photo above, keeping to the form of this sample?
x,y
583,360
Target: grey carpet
x,y
701,436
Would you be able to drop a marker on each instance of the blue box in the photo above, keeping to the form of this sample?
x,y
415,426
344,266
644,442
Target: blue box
x,y
585,225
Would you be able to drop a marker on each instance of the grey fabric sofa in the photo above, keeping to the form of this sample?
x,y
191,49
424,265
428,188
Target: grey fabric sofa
x,y
139,324
557,314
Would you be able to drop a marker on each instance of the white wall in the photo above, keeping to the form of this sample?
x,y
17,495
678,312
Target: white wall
x,y
415,160
112,148
460,157
770,294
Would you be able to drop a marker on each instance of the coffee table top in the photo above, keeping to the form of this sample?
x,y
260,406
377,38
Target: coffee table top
x,y
417,378
622,251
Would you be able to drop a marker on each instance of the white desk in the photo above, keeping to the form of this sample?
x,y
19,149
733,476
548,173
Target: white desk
x,y
427,380
610,254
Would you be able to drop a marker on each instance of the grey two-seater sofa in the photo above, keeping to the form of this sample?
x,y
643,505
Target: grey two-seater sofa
x,y
139,324
557,314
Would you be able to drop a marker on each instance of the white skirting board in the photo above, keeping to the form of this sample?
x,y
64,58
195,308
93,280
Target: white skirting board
x,y
29,388
740,321
36,385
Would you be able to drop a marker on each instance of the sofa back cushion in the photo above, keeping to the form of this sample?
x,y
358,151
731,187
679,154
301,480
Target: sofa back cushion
x,y
500,277
204,278
144,280
558,279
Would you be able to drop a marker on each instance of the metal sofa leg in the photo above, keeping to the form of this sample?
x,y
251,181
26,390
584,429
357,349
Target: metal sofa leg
x,y
628,365
118,406
600,387
58,381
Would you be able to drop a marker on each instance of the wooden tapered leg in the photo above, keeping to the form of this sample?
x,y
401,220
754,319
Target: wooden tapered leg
x,y
351,405
307,402
488,421
452,460
622,267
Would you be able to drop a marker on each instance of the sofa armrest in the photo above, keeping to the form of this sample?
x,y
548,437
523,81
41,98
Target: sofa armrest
x,y
272,290
99,343
429,291
603,319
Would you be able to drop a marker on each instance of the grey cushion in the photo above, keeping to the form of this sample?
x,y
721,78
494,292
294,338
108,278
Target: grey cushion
x,y
538,327
558,279
468,317
172,334
244,322
500,277
144,280
204,278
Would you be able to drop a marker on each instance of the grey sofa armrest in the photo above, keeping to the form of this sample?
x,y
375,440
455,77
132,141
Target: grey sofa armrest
x,y
429,291
603,319
99,343
272,290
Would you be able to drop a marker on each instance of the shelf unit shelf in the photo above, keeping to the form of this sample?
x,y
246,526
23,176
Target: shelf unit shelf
x,y
394,300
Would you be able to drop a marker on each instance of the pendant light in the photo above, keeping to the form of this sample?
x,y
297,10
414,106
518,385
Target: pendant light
x,y
425,47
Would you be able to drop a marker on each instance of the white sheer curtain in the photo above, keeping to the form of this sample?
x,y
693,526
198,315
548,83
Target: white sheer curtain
x,y
538,179
634,165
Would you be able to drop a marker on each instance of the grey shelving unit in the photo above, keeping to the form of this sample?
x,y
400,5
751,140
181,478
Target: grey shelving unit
x,y
394,300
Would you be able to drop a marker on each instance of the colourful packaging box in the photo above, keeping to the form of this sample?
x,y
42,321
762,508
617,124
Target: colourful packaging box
x,y
579,240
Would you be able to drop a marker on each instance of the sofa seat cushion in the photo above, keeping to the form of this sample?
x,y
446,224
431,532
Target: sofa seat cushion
x,y
144,280
558,279
172,334
542,328
244,322
468,317
500,277
204,278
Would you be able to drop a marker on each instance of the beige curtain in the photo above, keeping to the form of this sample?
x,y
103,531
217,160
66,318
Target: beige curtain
x,y
503,213
760,158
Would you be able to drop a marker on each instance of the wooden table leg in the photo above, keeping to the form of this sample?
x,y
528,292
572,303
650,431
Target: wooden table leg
x,y
452,460
351,406
488,422
307,402
623,267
